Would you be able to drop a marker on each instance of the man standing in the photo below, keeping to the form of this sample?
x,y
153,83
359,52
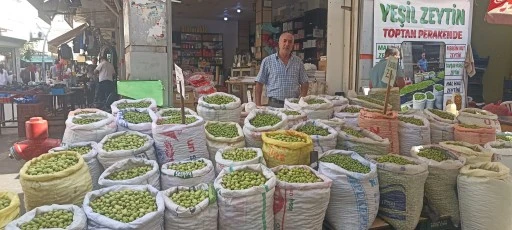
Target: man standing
x,y
93,80
54,71
378,70
423,63
105,72
282,74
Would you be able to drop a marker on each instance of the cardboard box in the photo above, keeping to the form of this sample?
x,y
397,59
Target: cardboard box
x,y
322,64
189,97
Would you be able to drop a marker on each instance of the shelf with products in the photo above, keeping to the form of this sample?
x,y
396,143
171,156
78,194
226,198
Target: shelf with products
x,y
202,50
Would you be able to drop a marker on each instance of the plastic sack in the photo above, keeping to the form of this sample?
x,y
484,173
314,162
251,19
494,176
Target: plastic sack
x,y
162,112
472,153
479,136
79,218
484,196
321,143
350,118
354,200
215,143
68,186
89,132
278,152
107,159
229,112
292,103
413,135
440,129
246,209
12,211
384,125
152,104
502,152
316,111
335,123
292,119
370,103
221,163
309,201
370,143
419,104
338,102
151,221
123,125
176,142
500,110
95,168
199,79
83,111
480,118
172,178
152,177
253,134
203,216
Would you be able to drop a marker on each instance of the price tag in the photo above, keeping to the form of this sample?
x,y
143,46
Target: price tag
x,y
390,71
180,80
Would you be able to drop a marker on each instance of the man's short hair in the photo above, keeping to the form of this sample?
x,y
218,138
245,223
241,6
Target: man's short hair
x,y
392,51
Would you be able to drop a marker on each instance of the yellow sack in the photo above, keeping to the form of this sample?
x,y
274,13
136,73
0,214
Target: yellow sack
x,y
65,187
12,211
278,152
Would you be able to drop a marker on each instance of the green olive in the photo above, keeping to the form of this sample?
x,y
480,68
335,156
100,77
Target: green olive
x,y
218,129
124,206
286,138
124,142
411,120
442,114
52,219
265,119
80,149
297,175
176,120
243,179
85,120
52,164
189,199
135,117
346,162
350,109
4,202
352,132
395,159
218,99
239,154
291,113
187,166
129,173
315,101
311,130
433,154
129,105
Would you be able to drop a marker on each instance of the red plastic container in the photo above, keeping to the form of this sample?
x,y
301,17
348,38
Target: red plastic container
x,y
36,129
29,149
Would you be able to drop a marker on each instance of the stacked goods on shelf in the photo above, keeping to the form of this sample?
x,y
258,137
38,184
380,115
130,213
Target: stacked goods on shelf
x,y
413,131
480,118
370,102
441,125
187,173
474,134
51,217
131,171
362,141
350,114
294,117
286,147
89,127
260,121
220,107
472,152
502,152
9,208
324,137
145,103
316,107
384,125
220,135
230,157
135,120
123,145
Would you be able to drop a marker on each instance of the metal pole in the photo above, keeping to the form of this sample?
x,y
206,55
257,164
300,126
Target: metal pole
x,y
169,93
43,68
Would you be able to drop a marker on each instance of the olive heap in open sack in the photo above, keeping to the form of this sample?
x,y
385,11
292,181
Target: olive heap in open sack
x,y
172,113
4,202
286,138
311,129
129,173
188,166
394,159
411,120
239,154
80,149
135,117
297,175
352,132
176,120
346,162
85,120
218,99
52,219
264,119
222,130
189,199
314,101
243,179
140,104
54,163
124,206
433,154
124,142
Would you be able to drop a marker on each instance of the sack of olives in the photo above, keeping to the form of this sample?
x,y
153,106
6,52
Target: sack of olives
x,y
472,152
245,196
294,117
131,171
412,131
502,152
139,120
130,207
286,147
304,189
354,195
220,135
292,103
187,173
53,216
324,137
59,178
145,103
9,207
370,102
349,114
384,125
441,183
259,121
83,111
176,142
123,145
474,134
361,141
316,107
89,152
338,102
220,107
190,208
441,125
402,185
335,123
170,112
480,118
231,156
89,127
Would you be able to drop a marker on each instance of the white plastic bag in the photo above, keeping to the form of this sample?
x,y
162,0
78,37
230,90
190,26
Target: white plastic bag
x,y
79,218
484,196
309,201
316,111
172,178
123,125
354,199
162,112
151,221
338,102
440,129
335,123
221,163
246,209
371,143
229,112
107,159
292,119
95,168
215,143
176,142
472,153
253,134
413,135
84,111
151,106
350,118
152,177
419,104
292,103
321,143
478,117
203,216
90,132
502,151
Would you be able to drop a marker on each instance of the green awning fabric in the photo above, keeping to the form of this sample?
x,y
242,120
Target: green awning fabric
x,y
142,89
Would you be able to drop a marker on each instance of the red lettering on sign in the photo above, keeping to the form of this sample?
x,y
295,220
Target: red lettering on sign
x,y
169,150
191,147
375,130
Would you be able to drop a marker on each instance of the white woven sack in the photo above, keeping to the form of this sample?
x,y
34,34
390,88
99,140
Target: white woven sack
x,y
229,112
215,143
321,143
338,102
292,103
309,201
440,129
95,168
246,209
351,119
502,152
176,142
253,134
151,178
316,111
123,125
482,118
472,153
335,123
114,108
203,216
484,196
371,143
151,221
221,163
292,119
90,132
354,199
413,135
79,218
188,111
107,159
172,178
87,110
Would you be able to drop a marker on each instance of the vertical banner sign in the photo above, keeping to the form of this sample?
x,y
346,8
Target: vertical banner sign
x,y
423,23
390,71
180,80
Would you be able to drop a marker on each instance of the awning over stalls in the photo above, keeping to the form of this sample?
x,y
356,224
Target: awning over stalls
x,y
39,59
65,38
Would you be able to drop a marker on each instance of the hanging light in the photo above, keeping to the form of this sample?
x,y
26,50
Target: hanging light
x,y
225,18
238,10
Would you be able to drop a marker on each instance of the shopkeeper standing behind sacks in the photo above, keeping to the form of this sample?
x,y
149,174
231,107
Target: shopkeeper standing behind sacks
x,y
378,70
282,74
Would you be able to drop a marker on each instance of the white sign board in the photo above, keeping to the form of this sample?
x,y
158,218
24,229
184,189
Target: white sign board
x,y
180,80
390,71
